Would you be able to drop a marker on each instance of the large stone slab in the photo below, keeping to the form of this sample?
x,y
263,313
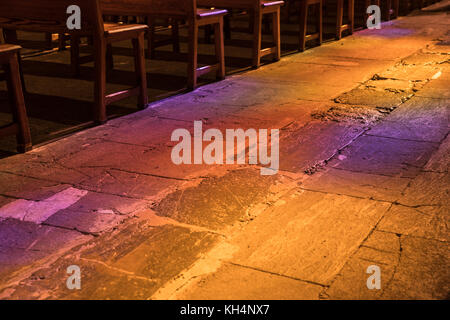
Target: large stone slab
x,y
428,188
357,184
310,145
439,161
424,222
385,156
137,186
233,282
429,112
380,249
159,253
218,201
409,130
28,188
24,243
309,237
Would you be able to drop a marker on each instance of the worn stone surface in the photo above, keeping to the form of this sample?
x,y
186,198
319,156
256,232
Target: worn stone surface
x,y
217,202
233,282
310,236
361,182
23,243
314,143
385,156
439,161
421,192
425,222
358,184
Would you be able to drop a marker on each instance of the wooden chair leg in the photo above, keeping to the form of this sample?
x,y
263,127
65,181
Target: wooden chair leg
x,y
193,55
14,84
220,48
257,28
141,74
276,17
351,15
75,55
320,22
339,18
100,81
303,24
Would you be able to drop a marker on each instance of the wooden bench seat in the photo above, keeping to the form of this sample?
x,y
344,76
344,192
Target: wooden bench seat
x,y
256,9
9,61
50,16
340,6
179,10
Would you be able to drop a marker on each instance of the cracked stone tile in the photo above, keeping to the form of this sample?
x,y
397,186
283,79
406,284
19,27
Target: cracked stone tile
x,y
24,243
429,112
283,114
439,160
107,203
424,59
361,45
357,184
128,184
425,222
422,271
105,156
312,74
385,156
437,89
314,143
28,188
241,92
232,282
98,282
404,87
39,211
410,130
132,262
428,188
85,222
384,100
218,201
411,72
380,249
159,253
363,115
310,237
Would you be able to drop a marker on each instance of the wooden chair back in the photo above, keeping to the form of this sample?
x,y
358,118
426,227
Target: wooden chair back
x,y
149,7
50,15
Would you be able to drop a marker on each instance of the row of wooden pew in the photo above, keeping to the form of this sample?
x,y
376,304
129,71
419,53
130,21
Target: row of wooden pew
x,y
50,17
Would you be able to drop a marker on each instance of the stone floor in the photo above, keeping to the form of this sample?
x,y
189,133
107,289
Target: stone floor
x,y
363,181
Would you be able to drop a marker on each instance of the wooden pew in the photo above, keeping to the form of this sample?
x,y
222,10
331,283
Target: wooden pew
x,y
10,62
304,37
257,9
299,10
339,6
179,10
50,16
